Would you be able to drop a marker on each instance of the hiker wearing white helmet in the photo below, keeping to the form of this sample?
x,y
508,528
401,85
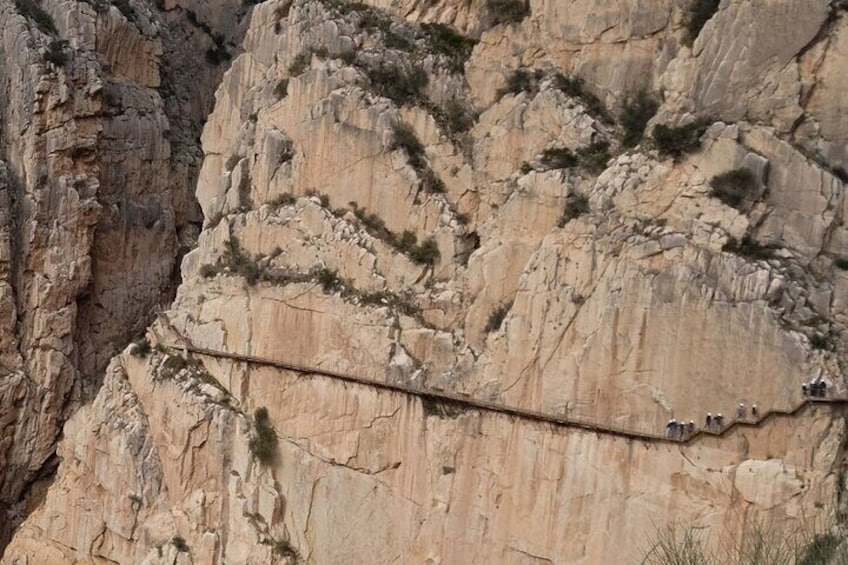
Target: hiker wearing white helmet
x,y
740,412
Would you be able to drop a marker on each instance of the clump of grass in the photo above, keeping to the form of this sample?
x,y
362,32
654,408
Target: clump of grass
x,y
401,85
141,348
733,187
55,53
576,88
749,248
635,116
427,253
281,90
32,10
300,63
284,199
406,139
496,318
676,141
450,44
263,445
329,280
576,205
522,80
556,158
508,12
841,263
284,548
180,543
454,119
594,157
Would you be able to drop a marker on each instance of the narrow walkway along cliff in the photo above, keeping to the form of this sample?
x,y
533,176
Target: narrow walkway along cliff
x,y
433,276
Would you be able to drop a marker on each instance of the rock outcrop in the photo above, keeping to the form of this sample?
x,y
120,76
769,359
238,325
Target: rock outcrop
x,y
386,198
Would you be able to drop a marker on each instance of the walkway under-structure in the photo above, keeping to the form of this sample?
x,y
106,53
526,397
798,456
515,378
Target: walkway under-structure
x,y
471,403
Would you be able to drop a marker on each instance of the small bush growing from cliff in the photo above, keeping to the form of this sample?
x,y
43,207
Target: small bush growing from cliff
x,y
406,242
208,271
406,139
497,317
447,42
180,543
557,158
594,157
300,63
733,187
575,87
284,199
454,118
329,280
635,116
507,11
841,263
676,141
34,12
141,348
431,183
425,254
750,248
699,13
263,445
283,548
522,80
402,86
575,206
56,54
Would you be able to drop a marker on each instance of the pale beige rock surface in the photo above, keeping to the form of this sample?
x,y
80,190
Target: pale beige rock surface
x,y
621,315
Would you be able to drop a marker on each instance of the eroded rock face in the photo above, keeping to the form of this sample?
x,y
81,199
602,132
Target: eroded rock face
x,y
450,235
93,202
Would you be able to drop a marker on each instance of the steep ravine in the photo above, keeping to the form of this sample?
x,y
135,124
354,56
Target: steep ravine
x,y
101,144
444,208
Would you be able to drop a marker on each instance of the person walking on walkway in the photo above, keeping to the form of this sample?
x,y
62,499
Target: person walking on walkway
x,y
691,427
804,389
709,421
740,412
754,411
669,428
719,420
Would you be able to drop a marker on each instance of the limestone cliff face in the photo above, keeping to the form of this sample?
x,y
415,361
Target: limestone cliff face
x,y
382,198
96,198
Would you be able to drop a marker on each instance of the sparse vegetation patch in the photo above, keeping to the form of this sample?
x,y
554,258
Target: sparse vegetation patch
x,y
32,10
576,88
676,141
507,11
635,116
401,85
749,248
55,53
575,206
450,44
497,317
557,158
263,445
733,187
594,157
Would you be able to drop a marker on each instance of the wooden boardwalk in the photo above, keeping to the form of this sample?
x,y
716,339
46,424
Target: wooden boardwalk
x,y
471,403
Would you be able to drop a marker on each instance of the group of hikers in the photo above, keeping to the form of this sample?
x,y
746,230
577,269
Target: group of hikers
x,y
682,430
815,389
